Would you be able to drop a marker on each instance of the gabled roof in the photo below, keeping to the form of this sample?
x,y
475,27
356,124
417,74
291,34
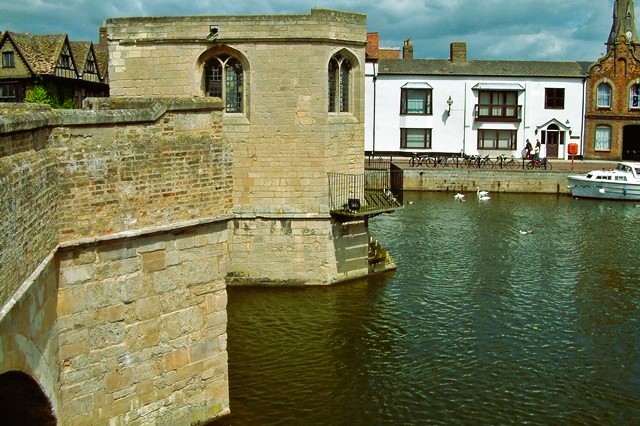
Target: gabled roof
x,y
446,67
102,58
40,52
82,52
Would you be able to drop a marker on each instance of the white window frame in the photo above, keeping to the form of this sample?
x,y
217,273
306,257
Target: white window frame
x,y
602,138
603,95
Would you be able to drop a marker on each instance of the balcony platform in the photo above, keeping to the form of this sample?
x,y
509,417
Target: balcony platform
x,y
375,203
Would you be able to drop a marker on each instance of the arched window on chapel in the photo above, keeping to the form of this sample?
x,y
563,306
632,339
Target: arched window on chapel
x,y
339,73
224,79
604,95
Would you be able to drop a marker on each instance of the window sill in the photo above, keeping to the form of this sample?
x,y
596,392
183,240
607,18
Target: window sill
x,y
235,118
342,117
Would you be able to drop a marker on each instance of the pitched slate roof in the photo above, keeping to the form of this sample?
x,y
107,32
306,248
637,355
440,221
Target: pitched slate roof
x,y
102,58
41,52
445,67
81,51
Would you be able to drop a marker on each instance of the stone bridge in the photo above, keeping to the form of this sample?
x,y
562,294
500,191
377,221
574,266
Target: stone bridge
x,y
123,223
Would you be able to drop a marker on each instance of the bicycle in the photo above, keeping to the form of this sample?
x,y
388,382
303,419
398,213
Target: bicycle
x,y
440,161
511,163
486,162
471,161
539,164
418,160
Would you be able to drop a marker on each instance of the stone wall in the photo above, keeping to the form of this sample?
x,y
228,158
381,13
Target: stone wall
x,y
124,177
114,247
463,180
272,251
142,328
29,197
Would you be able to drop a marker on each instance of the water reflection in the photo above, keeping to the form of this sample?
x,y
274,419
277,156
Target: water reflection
x,y
479,324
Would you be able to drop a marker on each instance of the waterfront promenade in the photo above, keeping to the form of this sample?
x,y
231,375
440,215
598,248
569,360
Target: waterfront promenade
x,y
578,166
464,179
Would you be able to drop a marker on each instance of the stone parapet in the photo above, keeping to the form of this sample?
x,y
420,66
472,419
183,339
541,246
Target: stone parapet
x,y
320,23
142,328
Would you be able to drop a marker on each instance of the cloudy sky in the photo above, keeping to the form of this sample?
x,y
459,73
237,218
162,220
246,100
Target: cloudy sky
x,y
493,29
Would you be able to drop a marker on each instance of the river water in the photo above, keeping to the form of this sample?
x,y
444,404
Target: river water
x,y
480,323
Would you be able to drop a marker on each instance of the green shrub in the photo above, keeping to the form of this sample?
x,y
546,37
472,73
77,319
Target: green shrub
x,y
49,94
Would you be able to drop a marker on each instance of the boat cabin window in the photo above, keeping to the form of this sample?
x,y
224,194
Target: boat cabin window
x,y
603,177
623,178
589,176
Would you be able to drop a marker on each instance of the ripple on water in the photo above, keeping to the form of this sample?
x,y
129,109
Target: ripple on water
x,y
479,324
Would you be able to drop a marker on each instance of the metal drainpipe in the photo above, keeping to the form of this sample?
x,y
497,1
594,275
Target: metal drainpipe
x,y
373,133
464,121
584,120
524,117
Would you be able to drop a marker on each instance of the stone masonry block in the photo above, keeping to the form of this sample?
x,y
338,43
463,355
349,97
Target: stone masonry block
x,y
153,261
176,359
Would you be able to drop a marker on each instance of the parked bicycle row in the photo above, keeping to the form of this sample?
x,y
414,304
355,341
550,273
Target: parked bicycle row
x,y
479,162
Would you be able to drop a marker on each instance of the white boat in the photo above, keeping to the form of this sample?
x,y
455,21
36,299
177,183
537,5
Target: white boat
x,y
621,183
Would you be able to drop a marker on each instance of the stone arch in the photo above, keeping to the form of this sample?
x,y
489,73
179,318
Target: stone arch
x,y
226,52
22,400
20,354
342,63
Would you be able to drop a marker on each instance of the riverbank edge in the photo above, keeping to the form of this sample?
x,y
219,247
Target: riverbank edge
x,y
468,180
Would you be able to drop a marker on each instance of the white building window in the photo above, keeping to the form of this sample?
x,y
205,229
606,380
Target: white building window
x,y
497,139
604,96
415,138
603,138
415,102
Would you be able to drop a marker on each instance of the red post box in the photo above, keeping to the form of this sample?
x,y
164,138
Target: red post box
x,y
573,149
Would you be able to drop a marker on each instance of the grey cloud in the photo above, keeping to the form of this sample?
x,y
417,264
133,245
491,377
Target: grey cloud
x,y
493,29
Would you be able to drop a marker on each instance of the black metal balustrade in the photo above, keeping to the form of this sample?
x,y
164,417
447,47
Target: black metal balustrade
x,y
353,196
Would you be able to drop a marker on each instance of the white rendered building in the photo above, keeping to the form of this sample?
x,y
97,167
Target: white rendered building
x,y
452,106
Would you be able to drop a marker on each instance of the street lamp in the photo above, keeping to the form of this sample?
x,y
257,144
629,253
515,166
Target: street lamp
x,y
449,103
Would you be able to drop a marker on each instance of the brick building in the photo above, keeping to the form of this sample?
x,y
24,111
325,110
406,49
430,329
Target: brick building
x,y
612,102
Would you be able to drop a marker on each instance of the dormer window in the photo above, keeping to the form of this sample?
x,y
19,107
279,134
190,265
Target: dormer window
x,y
91,66
8,60
65,61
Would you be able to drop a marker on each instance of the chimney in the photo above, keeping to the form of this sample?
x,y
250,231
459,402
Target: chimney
x,y
103,41
407,49
373,44
458,51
